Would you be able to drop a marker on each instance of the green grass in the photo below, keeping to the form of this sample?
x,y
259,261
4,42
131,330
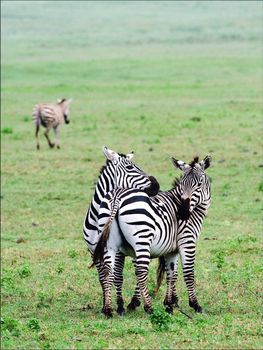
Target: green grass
x,y
159,78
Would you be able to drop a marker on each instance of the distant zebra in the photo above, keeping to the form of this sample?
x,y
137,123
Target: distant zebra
x,y
163,226
51,116
119,172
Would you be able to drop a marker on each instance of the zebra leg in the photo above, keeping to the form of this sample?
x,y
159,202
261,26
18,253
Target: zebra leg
x,y
118,281
100,270
142,268
51,145
109,262
188,260
135,301
37,135
102,281
171,298
56,137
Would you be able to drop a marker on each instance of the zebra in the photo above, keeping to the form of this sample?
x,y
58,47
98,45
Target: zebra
x,y
164,226
51,116
119,172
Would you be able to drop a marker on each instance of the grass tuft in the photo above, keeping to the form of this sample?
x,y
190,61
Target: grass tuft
x,y
160,319
7,131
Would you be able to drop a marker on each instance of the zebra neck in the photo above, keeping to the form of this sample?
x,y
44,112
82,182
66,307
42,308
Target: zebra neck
x,y
174,194
203,208
104,185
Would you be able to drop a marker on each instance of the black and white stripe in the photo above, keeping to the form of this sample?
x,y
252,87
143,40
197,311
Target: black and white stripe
x,y
165,226
51,116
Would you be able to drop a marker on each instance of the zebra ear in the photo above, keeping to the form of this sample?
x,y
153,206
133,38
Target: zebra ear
x,y
130,155
62,100
109,154
180,164
205,163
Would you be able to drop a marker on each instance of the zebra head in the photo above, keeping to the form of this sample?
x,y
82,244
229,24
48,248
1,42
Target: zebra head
x,y
194,186
64,105
126,174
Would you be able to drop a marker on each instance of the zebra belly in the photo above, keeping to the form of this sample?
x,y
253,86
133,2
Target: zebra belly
x,y
90,231
127,249
165,239
163,248
91,238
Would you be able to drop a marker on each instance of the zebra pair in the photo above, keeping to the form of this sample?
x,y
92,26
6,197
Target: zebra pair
x,y
118,172
51,116
165,226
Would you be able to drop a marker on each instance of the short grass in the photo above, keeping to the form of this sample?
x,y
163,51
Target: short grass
x,y
160,78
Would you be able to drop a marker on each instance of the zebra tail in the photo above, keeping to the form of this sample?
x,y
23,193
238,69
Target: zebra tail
x,y
36,114
160,274
101,245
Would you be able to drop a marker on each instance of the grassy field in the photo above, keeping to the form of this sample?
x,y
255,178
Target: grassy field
x,y
159,78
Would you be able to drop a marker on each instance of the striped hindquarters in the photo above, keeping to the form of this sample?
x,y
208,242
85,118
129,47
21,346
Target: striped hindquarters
x,y
46,115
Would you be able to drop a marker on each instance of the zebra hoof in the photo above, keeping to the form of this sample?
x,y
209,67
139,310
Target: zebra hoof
x,y
38,147
148,309
170,304
58,147
108,313
169,309
51,145
133,304
121,311
175,301
199,309
131,307
196,307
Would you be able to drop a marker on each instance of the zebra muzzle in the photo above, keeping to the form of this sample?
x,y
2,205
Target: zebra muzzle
x,y
184,209
154,187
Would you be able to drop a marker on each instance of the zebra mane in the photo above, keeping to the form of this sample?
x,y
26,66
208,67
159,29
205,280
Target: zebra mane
x,y
104,167
176,181
196,160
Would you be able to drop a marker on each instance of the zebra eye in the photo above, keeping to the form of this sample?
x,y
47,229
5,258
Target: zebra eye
x,y
129,167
